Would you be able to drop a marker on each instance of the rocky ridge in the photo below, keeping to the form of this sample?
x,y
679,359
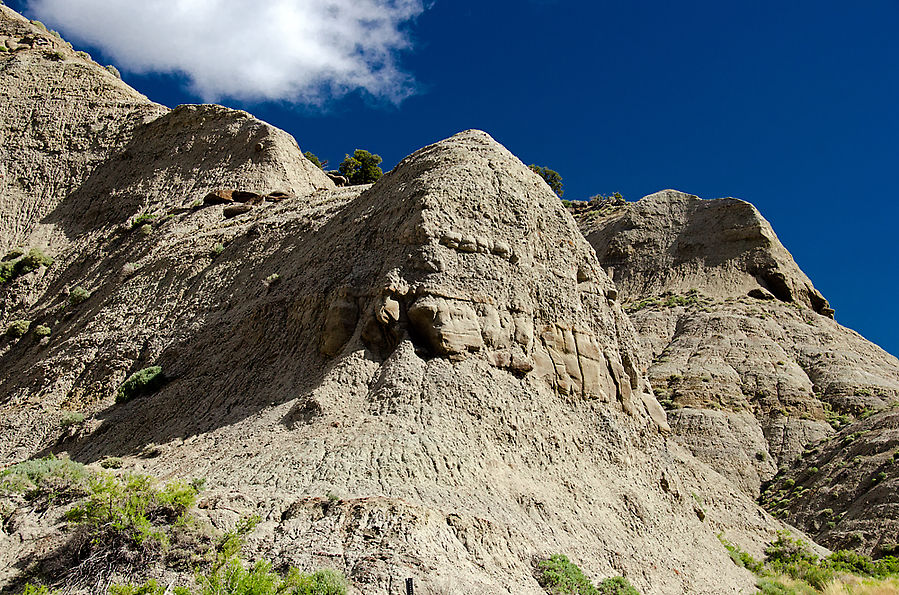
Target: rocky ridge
x,y
429,377
745,354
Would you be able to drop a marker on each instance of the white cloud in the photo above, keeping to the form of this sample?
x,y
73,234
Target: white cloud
x,y
301,51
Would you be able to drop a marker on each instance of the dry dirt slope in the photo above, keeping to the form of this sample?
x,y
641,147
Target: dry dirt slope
x,y
441,351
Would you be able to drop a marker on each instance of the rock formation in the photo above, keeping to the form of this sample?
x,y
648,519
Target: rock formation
x,y
744,352
430,377
843,489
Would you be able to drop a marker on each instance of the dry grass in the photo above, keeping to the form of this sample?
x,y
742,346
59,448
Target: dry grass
x,y
854,585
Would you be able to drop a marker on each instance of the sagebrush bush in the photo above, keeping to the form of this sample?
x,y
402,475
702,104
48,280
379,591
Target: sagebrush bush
x,y
18,328
78,295
560,576
17,263
233,579
71,418
143,219
51,478
42,330
140,383
130,516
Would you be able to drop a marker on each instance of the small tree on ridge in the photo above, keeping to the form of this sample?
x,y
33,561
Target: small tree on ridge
x,y
361,168
551,177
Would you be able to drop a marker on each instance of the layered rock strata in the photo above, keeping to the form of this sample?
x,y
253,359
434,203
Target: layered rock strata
x,y
744,352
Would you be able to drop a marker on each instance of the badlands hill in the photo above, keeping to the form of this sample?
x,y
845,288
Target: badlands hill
x,y
745,355
431,377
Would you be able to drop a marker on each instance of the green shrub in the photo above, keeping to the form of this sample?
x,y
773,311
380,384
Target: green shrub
x,y
140,383
361,168
145,218
233,579
18,328
741,558
217,249
772,587
32,261
855,563
111,463
551,177
272,279
130,514
71,418
78,295
787,550
560,576
49,477
17,263
42,330
13,254
617,585
794,558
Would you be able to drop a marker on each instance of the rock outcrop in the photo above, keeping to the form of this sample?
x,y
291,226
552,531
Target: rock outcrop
x,y
429,377
744,352
843,490
441,352
674,242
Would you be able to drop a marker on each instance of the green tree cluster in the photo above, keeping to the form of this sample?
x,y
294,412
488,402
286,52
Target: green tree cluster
x,y
551,177
361,168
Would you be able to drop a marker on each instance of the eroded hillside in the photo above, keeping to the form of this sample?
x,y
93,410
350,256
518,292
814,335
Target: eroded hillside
x,y
744,352
431,377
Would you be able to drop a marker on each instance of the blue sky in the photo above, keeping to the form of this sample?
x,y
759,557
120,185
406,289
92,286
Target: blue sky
x,y
793,106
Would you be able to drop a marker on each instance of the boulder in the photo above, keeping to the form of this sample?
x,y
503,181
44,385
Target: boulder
x,y
219,197
236,209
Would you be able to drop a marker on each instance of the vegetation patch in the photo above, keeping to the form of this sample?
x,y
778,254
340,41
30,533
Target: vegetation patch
x,y
71,418
560,576
141,220
791,568
361,168
140,383
689,299
18,263
45,480
78,295
18,328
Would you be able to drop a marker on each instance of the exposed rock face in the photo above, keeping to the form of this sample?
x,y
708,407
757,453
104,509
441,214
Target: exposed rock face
x,y
62,116
743,350
441,352
843,491
671,241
